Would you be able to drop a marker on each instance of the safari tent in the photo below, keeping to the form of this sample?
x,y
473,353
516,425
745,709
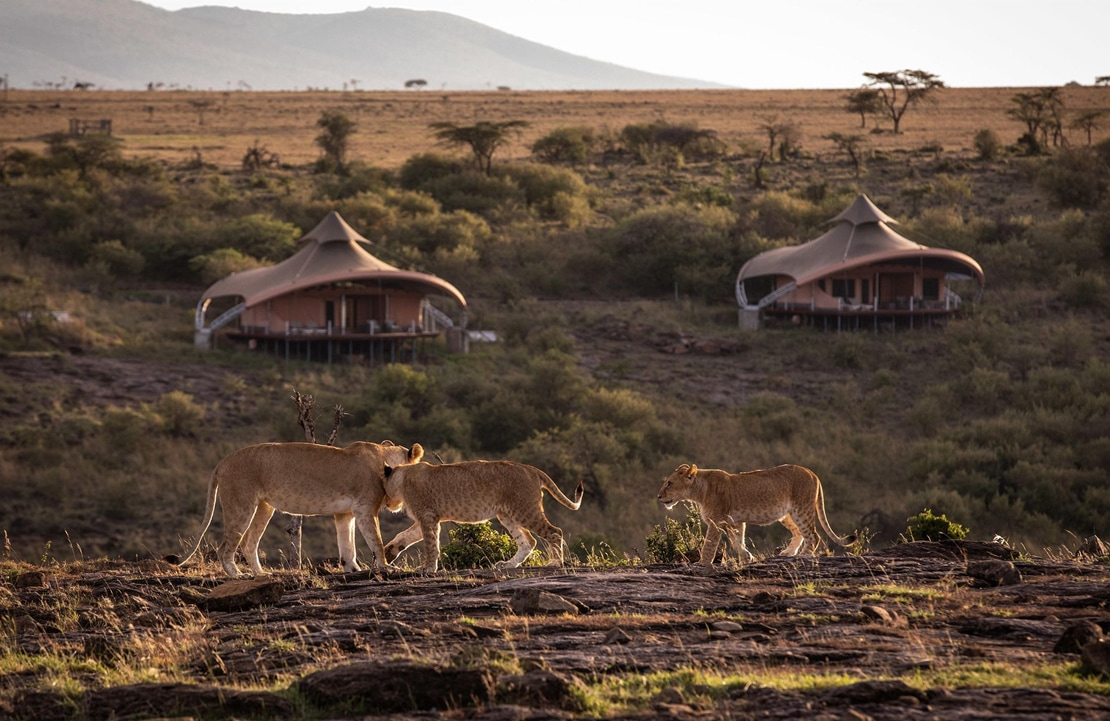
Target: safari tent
x,y
860,273
331,298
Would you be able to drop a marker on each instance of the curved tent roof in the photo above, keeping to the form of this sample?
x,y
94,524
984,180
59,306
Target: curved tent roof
x,y
861,235
331,253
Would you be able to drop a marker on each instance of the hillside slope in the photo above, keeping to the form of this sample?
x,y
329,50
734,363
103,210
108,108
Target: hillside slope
x,y
127,44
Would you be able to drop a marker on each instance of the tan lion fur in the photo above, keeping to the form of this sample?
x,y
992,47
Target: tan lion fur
x,y
729,501
304,479
473,492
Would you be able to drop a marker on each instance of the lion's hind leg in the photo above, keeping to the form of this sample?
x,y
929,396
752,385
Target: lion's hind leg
x,y
797,538
253,536
525,542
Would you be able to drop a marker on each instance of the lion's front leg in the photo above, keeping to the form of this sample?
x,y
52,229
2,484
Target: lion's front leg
x,y
710,544
737,536
345,540
430,528
404,539
371,532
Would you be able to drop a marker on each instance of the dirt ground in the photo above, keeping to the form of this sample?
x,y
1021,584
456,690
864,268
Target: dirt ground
x,y
903,634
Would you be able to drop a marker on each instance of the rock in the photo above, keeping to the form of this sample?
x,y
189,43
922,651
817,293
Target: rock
x,y
237,595
533,601
873,692
617,635
1095,658
542,687
994,572
398,687
156,700
726,626
31,579
1078,635
880,615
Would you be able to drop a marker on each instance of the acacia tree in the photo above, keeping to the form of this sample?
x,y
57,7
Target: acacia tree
x,y
335,137
1087,122
1041,111
852,145
864,101
898,90
483,138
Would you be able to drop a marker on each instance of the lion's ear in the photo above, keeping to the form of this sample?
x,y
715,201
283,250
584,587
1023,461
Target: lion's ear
x,y
693,471
416,453
387,471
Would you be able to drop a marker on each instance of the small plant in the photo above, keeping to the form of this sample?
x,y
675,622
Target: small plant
x,y
987,144
926,526
676,541
476,545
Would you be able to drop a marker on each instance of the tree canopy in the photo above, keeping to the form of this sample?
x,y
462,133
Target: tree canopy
x,y
900,89
483,138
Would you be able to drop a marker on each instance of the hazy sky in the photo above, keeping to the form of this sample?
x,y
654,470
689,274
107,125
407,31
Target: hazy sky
x,y
792,43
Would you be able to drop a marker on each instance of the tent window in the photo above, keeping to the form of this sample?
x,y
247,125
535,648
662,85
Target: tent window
x,y
865,290
930,288
844,287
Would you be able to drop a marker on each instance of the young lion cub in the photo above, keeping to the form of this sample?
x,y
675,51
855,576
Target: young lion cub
x,y
472,492
729,501
304,479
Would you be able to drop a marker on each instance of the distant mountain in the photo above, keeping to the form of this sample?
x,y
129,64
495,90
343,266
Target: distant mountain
x,y
125,44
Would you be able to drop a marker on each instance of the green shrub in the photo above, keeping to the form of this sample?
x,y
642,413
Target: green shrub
x,y
565,145
181,415
926,526
420,170
676,541
1074,178
1085,289
476,545
987,144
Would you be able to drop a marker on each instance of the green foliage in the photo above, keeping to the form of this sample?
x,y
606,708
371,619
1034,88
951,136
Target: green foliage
x,y
657,247
648,140
572,145
987,144
676,541
220,263
180,414
476,545
926,526
1075,178
334,139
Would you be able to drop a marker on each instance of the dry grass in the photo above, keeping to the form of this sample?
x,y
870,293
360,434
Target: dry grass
x,y
392,126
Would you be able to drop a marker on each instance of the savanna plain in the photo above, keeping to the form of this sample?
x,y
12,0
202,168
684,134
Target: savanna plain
x,y
601,246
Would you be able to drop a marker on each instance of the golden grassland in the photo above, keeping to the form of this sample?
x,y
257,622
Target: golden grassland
x,y
176,126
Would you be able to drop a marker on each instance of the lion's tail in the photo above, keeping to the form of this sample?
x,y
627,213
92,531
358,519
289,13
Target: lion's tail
x,y
840,540
550,487
213,489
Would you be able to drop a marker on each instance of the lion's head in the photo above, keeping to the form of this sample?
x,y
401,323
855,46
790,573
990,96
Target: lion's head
x,y
676,487
394,455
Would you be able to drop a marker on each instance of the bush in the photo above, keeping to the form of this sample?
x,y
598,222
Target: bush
x,y
476,545
1086,289
180,414
565,145
987,144
926,526
1074,178
677,541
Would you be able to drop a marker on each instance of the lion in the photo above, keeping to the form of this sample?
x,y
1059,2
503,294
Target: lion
x,y
729,501
303,479
473,492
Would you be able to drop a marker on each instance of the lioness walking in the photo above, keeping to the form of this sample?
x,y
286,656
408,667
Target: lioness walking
x,y
472,492
303,479
729,501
